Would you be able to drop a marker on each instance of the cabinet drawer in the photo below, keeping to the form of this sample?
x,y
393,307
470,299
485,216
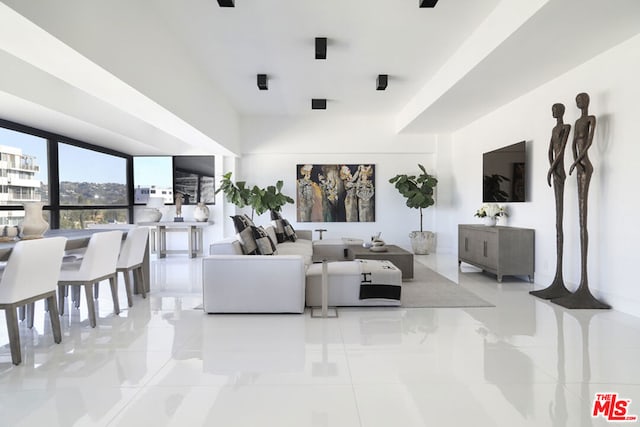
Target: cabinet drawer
x,y
467,245
488,249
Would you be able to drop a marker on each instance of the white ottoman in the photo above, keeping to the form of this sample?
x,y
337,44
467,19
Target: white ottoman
x,y
355,283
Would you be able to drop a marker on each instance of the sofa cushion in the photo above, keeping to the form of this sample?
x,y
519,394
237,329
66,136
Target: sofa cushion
x,y
228,246
300,247
263,241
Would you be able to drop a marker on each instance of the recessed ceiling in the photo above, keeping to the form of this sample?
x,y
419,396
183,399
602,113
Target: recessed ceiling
x,y
278,37
199,61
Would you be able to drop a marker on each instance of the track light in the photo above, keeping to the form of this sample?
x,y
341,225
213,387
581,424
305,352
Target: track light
x,y
226,3
428,3
262,82
318,104
321,48
381,81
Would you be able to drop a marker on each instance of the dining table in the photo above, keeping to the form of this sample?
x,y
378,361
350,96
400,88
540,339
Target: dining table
x,y
78,239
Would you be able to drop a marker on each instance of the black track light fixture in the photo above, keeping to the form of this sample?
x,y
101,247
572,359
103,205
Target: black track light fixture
x,y
318,104
226,3
381,81
428,3
262,82
321,48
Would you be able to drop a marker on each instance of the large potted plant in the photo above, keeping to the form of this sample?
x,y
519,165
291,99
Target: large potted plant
x,y
418,190
259,199
268,199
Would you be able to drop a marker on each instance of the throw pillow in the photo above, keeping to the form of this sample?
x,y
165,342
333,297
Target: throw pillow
x,y
271,232
278,225
248,220
289,232
245,235
263,241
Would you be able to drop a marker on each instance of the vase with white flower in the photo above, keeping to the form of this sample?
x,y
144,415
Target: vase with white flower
x,y
501,216
490,213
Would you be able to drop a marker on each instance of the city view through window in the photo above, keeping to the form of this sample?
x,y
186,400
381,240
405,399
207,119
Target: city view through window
x,y
90,182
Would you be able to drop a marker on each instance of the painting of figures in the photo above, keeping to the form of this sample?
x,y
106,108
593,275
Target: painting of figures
x,y
335,193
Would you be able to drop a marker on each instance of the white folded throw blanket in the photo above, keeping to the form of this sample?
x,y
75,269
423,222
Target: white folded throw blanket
x,y
379,279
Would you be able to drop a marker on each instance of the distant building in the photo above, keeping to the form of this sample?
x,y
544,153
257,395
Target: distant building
x,y
18,183
142,194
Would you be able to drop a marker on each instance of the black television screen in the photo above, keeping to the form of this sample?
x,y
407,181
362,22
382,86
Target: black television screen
x,y
503,174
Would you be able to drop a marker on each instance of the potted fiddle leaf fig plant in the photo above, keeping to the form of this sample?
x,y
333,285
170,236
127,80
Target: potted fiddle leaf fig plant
x,y
259,199
418,190
237,193
268,199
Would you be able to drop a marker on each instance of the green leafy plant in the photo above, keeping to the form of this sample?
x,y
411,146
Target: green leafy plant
x,y
270,198
259,199
236,193
418,190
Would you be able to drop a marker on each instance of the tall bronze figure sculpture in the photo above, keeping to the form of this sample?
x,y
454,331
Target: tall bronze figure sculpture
x,y
557,145
583,131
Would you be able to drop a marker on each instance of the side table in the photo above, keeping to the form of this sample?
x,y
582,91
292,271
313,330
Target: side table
x,y
194,230
324,309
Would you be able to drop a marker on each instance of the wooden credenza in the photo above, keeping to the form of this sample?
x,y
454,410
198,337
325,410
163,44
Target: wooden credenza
x,y
503,251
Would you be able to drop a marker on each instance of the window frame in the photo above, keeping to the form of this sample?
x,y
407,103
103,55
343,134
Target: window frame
x,y
53,141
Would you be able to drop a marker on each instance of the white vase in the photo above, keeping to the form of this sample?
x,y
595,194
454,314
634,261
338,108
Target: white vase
x,y
502,221
33,226
421,242
489,221
201,213
148,215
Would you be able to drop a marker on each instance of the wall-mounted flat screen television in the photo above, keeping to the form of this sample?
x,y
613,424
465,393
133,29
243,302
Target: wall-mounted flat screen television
x,y
503,174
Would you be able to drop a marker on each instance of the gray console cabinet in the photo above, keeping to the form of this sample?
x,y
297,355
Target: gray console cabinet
x,y
503,251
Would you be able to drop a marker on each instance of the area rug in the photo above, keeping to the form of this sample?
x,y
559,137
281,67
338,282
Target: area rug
x,y
430,289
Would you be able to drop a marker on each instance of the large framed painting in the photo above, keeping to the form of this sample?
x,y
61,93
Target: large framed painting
x,y
336,193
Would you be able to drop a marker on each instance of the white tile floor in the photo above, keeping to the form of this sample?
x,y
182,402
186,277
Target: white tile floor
x,y
163,362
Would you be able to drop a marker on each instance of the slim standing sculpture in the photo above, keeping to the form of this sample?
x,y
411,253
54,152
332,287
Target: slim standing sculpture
x,y
583,131
557,145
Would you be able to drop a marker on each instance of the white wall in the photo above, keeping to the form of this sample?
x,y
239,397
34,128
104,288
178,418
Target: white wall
x,y
611,80
273,146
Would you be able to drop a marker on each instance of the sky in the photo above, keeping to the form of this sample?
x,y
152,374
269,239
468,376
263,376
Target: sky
x,y
82,165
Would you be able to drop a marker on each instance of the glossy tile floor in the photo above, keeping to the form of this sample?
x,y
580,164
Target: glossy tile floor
x,y
163,362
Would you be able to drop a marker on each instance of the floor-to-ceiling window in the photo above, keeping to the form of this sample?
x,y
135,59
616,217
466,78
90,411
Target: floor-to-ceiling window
x,y
79,183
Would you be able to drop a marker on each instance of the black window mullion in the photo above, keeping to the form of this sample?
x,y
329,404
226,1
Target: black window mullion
x,y
54,184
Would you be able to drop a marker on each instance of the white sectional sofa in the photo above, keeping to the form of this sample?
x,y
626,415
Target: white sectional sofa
x,y
238,283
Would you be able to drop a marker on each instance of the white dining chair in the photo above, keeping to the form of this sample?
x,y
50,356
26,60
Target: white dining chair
x,y
131,260
31,274
98,264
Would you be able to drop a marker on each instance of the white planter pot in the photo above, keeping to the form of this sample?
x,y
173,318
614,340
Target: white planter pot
x,y
201,213
489,221
33,226
148,215
421,242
